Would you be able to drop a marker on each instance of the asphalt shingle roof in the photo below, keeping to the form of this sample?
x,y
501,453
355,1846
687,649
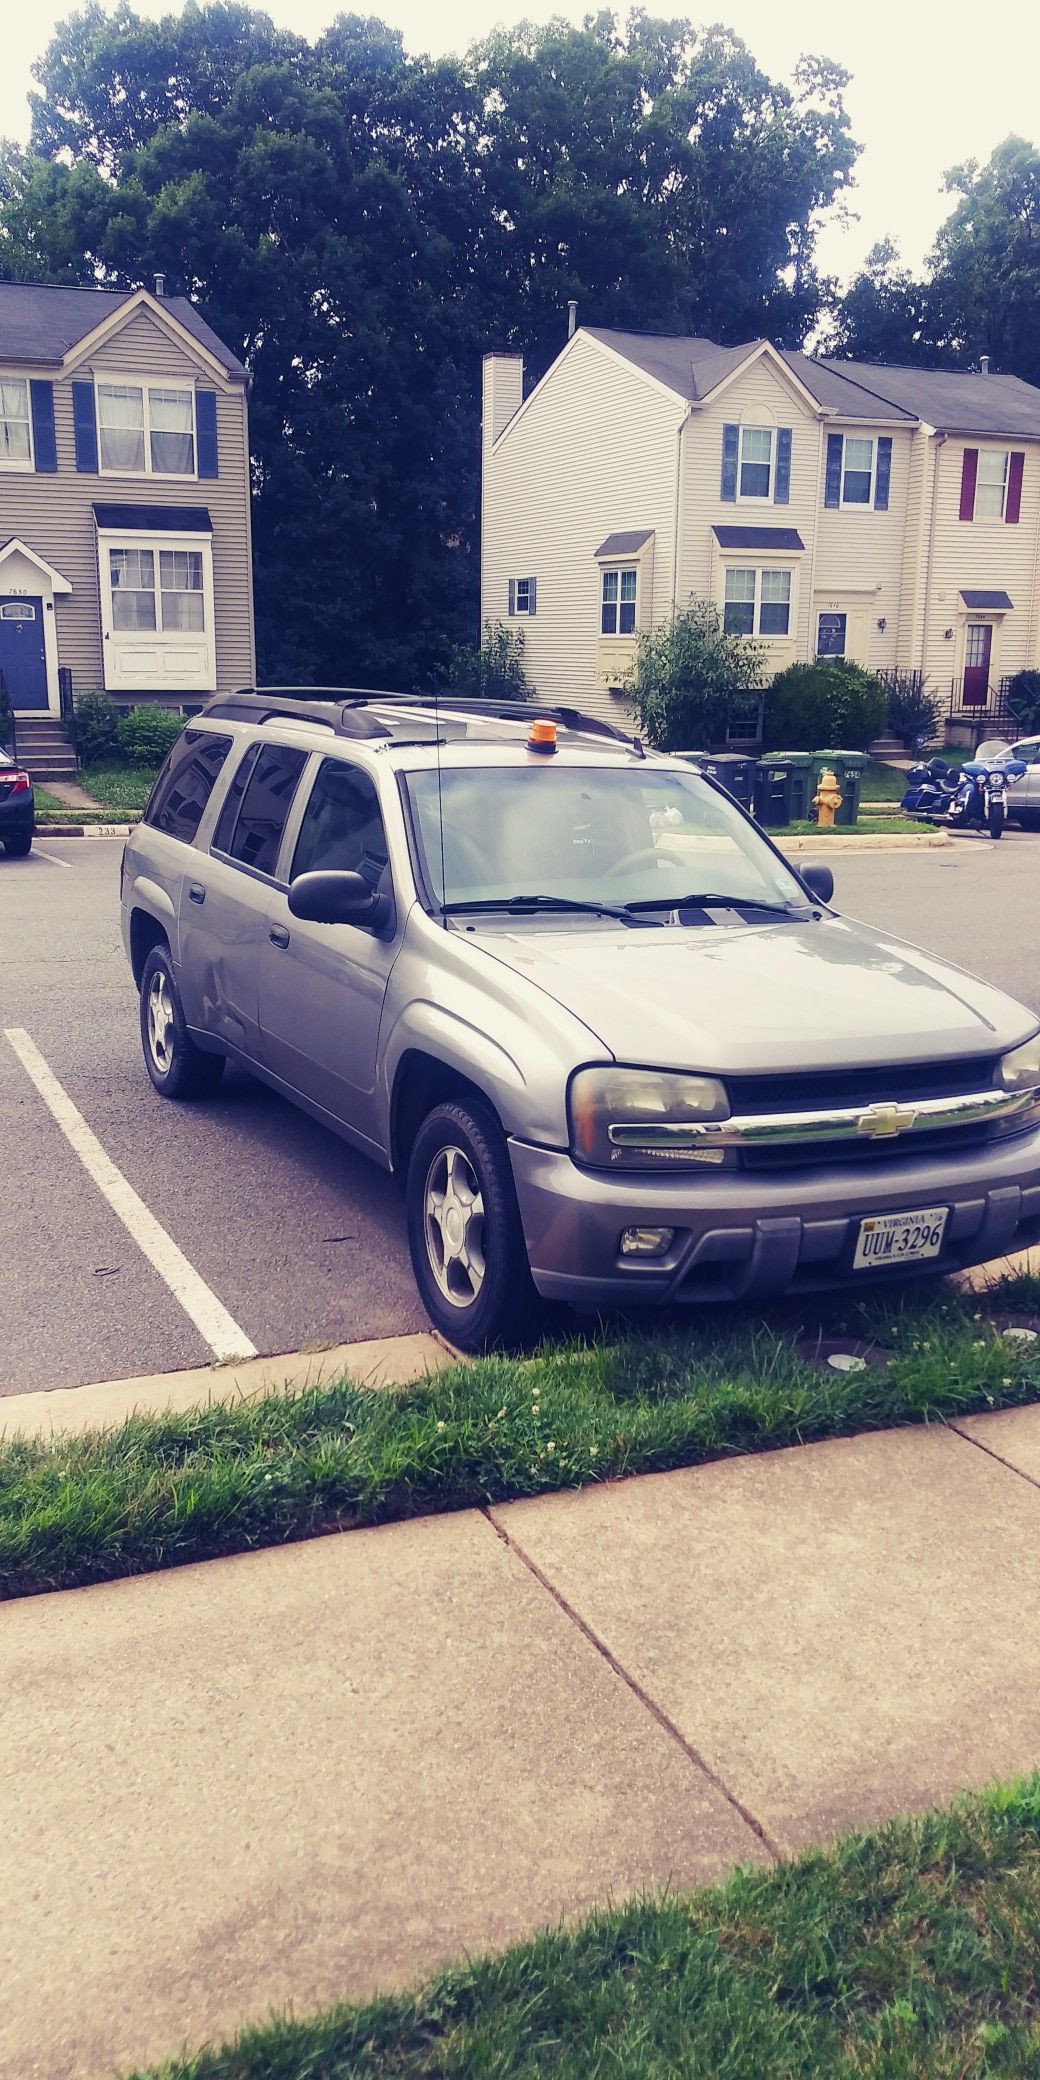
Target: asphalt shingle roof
x,y
626,543
758,538
40,322
950,399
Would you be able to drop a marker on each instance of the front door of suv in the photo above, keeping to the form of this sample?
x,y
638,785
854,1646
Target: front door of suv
x,y
322,986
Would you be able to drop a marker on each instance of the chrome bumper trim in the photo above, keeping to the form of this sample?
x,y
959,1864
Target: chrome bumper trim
x,y
849,1123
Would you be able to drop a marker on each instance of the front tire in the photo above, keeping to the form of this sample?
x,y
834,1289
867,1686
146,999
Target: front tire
x,y
997,819
177,1067
20,847
465,1234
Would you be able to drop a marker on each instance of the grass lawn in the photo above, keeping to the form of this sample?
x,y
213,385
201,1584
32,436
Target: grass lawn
x,y
881,782
866,827
165,1490
48,804
906,1954
119,786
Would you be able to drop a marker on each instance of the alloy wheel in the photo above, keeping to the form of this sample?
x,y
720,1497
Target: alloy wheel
x,y
160,1022
454,1226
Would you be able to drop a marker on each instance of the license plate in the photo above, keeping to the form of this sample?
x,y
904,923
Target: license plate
x,y
886,1239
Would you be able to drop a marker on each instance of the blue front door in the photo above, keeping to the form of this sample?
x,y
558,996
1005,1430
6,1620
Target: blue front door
x,y
23,661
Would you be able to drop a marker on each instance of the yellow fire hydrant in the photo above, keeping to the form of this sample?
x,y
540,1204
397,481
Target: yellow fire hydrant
x,y
827,800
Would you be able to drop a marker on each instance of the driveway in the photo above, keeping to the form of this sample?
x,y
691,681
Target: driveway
x,y
294,1238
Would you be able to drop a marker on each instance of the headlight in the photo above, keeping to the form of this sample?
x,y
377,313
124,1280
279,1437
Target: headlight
x,y
644,1119
1020,1070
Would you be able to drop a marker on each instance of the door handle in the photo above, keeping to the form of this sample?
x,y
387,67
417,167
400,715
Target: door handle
x,y
279,935
196,892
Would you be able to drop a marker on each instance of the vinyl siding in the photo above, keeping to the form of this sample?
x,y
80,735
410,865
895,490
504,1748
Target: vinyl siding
x,y
593,453
860,555
53,514
982,553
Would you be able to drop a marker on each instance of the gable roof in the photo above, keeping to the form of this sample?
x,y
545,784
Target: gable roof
x,y
690,367
41,322
952,400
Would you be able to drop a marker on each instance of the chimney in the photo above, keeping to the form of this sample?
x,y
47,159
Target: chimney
x,y
160,285
984,364
572,318
503,393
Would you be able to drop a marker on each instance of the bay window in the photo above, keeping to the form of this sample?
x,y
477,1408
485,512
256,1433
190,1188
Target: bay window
x,y
146,429
618,605
757,602
15,433
176,603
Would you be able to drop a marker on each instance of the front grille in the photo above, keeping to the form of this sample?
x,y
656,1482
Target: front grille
x,y
907,1148
820,1090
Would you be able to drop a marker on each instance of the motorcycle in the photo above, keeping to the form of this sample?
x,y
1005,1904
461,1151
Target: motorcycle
x,y
971,797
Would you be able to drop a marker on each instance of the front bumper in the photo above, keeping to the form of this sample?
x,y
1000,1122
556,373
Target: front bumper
x,y
747,1234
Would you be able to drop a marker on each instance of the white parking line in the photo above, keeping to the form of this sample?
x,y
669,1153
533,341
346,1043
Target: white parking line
x,y
211,1319
55,862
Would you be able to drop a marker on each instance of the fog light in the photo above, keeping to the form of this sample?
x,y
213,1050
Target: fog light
x,y
646,1242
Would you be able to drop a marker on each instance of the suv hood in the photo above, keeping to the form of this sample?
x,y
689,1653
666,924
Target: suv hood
x,y
752,998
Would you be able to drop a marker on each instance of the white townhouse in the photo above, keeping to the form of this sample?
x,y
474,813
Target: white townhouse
x,y
890,515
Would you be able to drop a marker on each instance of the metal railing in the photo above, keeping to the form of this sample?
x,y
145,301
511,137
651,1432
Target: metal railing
x,y
8,727
67,708
993,715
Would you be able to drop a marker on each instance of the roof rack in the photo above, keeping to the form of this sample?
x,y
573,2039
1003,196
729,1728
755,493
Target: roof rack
x,y
353,706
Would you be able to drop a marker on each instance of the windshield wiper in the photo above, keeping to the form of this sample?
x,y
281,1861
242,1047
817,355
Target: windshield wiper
x,y
711,900
516,905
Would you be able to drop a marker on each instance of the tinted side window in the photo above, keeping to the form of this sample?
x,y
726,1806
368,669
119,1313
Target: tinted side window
x,y
186,782
268,799
233,800
342,825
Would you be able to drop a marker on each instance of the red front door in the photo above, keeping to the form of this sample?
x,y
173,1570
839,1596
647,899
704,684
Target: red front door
x,y
976,664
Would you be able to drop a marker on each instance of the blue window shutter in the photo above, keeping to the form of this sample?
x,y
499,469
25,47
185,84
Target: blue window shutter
x,y
512,595
45,452
206,427
832,483
883,473
730,451
782,479
84,421
532,595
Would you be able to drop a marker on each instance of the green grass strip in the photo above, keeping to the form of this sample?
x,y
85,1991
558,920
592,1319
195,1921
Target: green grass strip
x,y
165,1490
906,1954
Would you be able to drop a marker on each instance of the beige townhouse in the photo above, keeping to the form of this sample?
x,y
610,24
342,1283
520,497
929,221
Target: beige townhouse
x,y
124,504
891,515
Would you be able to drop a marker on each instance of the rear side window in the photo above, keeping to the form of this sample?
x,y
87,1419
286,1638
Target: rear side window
x,y
228,817
184,786
268,799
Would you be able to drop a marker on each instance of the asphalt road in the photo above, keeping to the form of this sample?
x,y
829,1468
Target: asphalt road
x,y
300,1240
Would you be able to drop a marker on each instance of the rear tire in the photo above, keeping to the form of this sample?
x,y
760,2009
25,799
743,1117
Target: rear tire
x,y
465,1235
177,1067
997,819
19,848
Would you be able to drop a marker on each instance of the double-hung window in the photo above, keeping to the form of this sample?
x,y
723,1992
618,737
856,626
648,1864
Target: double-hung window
x,y
857,472
15,425
991,483
157,589
618,607
758,602
146,429
755,476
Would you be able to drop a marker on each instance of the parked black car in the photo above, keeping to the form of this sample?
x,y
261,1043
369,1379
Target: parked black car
x,y
17,808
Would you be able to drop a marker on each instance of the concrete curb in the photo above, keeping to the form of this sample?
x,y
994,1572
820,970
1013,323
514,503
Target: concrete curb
x,y
84,830
386,1361
979,1277
868,841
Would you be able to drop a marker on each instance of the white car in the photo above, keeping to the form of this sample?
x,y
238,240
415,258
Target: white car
x,y
1024,798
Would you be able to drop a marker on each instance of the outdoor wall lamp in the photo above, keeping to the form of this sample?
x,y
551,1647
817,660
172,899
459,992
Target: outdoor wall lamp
x,y
882,623
947,635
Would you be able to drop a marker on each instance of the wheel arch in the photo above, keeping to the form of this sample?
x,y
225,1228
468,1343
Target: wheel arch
x,y
146,931
422,1081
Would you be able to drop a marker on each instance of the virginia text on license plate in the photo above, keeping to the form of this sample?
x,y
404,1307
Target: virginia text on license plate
x,y
900,1238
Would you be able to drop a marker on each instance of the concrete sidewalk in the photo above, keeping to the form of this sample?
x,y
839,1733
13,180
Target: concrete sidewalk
x,y
302,1774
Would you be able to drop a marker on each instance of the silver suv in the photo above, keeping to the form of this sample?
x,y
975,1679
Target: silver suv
x,y
616,1048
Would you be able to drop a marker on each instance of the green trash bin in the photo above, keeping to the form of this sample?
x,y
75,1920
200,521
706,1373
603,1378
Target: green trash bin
x,y
847,767
784,787
731,769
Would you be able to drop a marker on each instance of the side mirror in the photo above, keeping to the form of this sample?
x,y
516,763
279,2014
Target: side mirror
x,y
819,881
339,898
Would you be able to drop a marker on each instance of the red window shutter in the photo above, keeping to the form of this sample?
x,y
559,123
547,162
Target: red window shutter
x,y
1013,502
969,472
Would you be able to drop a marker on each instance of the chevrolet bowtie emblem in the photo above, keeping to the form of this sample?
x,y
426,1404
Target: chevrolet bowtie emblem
x,y
884,1122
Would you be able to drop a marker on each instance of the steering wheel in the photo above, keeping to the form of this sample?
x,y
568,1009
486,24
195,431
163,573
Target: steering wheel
x,y
647,856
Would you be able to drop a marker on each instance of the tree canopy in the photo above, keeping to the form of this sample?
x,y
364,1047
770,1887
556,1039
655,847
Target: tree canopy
x,y
360,225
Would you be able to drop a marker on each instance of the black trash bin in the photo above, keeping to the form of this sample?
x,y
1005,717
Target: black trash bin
x,y
784,787
847,767
731,769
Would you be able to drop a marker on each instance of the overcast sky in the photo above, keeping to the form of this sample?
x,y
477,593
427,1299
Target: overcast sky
x,y
931,85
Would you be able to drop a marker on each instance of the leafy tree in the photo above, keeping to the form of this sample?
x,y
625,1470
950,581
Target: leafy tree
x,y
830,703
686,676
495,671
886,316
1023,696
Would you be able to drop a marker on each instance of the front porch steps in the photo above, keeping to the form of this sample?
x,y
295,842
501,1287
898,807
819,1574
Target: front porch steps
x,y
44,749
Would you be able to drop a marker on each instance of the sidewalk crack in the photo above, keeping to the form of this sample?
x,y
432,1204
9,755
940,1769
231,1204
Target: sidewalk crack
x,y
966,1437
649,1704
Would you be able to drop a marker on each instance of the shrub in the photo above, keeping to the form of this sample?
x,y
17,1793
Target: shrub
x,y
495,671
913,712
97,728
1023,696
686,676
145,734
831,701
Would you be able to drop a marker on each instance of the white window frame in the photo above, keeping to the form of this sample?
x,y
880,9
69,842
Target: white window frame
x,y
524,607
618,571
759,571
1003,454
108,379
756,498
21,468
170,642
859,505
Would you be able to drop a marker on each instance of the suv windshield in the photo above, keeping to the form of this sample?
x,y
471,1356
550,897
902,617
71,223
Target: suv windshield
x,y
615,836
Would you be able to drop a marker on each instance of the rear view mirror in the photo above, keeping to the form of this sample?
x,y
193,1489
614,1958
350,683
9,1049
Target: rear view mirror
x,y
819,881
339,898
